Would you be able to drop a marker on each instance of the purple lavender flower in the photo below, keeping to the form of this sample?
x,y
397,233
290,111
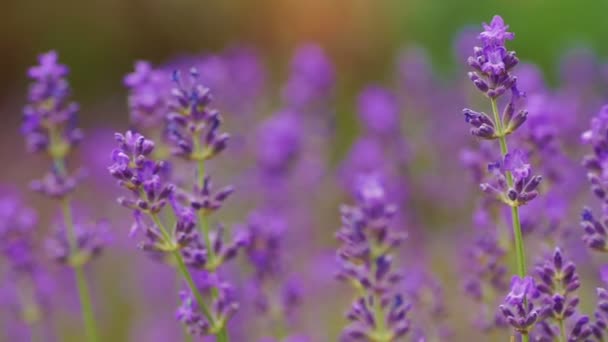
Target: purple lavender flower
x,y
600,323
525,184
594,231
50,117
193,125
486,275
196,322
492,65
17,224
492,62
312,78
518,307
366,262
136,172
90,241
279,143
25,288
378,111
557,287
596,163
149,91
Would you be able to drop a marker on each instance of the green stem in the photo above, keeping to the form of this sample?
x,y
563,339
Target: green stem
x,y
183,270
84,293
381,331
562,331
518,237
222,336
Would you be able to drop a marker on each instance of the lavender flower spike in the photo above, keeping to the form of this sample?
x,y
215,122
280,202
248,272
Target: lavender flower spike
x,y
380,313
50,126
518,308
525,184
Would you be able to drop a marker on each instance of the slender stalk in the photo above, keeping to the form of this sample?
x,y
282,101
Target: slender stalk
x,y
562,331
518,237
519,242
84,293
381,332
222,336
181,266
183,270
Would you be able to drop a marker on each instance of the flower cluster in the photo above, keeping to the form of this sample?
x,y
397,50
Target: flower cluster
x,y
518,307
50,117
558,284
193,125
365,257
525,184
148,95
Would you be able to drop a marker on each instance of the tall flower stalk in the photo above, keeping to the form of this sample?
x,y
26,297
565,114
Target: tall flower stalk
x,y
50,127
513,184
379,313
189,243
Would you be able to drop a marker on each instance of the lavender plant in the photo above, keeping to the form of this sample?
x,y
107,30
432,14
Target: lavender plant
x,y
379,312
49,127
514,183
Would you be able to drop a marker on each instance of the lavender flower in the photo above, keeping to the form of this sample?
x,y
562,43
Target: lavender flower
x,y
525,184
49,118
149,91
135,171
378,111
279,144
518,307
17,224
196,322
492,62
594,231
90,242
379,313
558,284
311,80
193,125
50,126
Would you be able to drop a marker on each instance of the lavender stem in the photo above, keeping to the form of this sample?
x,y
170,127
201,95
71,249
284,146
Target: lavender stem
x,y
84,294
519,241
222,336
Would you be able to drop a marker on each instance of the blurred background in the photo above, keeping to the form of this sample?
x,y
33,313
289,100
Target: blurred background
x,y
101,40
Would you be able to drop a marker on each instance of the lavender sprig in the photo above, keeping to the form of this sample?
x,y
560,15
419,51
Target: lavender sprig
x,y
557,289
379,313
492,64
50,126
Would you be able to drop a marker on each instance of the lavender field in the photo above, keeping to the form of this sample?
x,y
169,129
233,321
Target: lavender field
x,y
236,194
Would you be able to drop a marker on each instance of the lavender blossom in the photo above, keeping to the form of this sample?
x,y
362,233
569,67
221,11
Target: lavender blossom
x,y
365,259
197,324
492,62
518,307
525,184
193,125
311,80
149,91
558,299
50,126
378,111
135,171
90,242
49,118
